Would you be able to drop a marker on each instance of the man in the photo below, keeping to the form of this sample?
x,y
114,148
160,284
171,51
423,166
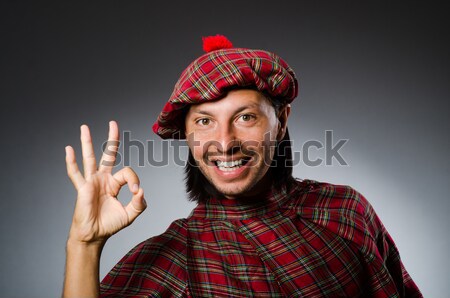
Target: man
x,y
257,231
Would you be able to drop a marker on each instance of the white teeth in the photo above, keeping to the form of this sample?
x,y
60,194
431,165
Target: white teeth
x,y
229,165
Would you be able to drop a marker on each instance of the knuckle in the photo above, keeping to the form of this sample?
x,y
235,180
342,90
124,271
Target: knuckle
x,y
89,155
129,171
71,173
69,170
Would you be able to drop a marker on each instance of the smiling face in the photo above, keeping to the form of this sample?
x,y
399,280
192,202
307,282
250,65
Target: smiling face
x,y
233,141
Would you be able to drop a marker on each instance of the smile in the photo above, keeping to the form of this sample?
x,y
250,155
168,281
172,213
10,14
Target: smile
x,y
231,166
227,166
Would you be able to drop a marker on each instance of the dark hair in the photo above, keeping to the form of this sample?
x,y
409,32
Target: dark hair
x,y
199,189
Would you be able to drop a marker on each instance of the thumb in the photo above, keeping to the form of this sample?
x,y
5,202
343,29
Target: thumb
x,y
136,206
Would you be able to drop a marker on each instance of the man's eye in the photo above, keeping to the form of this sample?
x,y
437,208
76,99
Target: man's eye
x,y
204,121
246,117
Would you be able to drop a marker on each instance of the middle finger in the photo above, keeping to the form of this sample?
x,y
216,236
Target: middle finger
x,y
89,163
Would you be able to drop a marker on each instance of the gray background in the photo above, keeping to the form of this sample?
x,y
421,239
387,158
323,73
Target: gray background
x,y
375,73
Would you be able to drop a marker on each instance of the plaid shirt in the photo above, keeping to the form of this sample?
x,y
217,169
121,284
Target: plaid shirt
x,y
318,240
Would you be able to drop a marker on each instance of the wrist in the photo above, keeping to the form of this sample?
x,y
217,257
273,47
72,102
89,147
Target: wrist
x,y
74,245
82,268
81,236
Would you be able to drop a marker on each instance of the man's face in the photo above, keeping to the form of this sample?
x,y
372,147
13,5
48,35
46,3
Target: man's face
x,y
233,140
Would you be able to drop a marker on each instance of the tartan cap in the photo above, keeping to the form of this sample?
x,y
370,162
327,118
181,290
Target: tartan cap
x,y
221,69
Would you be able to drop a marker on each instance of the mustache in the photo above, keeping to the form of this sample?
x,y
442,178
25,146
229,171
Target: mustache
x,y
236,151
216,149
246,154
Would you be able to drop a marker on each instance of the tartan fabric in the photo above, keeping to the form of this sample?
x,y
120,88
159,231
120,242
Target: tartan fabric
x,y
210,76
318,240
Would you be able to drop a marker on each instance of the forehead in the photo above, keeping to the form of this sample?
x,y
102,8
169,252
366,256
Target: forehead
x,y
235,99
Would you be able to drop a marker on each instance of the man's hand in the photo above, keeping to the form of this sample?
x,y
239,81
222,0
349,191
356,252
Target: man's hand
x,y
98,214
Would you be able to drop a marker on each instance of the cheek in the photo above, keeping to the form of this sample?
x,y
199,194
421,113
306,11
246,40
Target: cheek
x,y
262,137
268,144
261,146
197,148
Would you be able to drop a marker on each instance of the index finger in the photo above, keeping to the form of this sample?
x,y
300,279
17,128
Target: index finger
x,y
109,154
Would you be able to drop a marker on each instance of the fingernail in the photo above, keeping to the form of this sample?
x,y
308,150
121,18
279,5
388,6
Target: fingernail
x,y
135,187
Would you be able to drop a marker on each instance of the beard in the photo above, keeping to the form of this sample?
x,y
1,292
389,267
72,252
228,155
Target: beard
x,y
256,180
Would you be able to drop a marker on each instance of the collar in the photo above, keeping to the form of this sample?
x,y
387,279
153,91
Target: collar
x,y
239,209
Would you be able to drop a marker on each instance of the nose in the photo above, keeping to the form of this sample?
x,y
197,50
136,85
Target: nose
x,y
226,139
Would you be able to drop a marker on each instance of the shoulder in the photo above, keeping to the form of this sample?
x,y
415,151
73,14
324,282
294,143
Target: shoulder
x,y
170,244
332,197
156,265
339,208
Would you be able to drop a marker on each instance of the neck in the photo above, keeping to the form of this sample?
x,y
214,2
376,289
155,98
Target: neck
x,y
261,189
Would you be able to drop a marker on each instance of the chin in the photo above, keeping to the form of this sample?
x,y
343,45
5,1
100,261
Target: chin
x,y
236,190
231,192
250,183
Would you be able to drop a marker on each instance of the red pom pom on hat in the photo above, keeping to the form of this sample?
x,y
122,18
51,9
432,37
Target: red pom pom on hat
x,y
210,77
217,42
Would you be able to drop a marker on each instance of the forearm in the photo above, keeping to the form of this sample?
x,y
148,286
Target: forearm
x,y
82,270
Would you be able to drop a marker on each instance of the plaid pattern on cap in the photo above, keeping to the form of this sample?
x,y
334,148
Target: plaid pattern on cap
x,y
319,240
210,77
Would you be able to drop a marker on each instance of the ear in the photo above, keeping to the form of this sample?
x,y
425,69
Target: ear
x,y
283,115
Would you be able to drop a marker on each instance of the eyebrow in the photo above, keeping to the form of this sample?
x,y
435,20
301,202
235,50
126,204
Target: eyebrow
x,y
203,112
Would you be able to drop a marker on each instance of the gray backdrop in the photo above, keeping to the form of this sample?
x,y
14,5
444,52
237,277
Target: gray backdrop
x,y
375,73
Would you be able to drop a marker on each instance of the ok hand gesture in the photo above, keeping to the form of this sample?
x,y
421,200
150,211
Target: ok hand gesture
x,y
98,214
